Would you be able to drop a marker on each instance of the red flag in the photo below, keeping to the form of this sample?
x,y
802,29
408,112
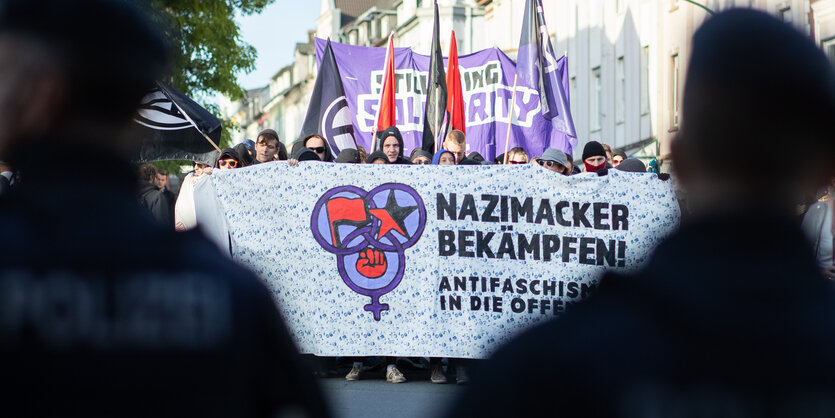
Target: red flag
x,y
455,94
387,111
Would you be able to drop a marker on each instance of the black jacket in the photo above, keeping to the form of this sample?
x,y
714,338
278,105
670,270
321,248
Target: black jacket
x,y
104,312
156,203
729,315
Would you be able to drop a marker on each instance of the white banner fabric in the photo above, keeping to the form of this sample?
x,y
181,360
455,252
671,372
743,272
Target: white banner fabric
x,y
434,261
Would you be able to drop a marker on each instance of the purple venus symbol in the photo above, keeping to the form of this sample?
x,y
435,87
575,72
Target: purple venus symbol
x,y
369,233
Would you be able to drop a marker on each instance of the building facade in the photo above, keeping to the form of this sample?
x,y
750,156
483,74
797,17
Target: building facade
x,y
627,58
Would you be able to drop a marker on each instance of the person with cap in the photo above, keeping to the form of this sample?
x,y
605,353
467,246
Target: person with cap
x,y
390,142
267,146
349,156
554,160
594,157
443,157
421,157
475,157
730,315
378,157
632,165
244,153
303,154
104,312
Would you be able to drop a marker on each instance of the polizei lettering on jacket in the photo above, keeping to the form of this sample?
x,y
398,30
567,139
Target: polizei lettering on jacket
x,y
505,243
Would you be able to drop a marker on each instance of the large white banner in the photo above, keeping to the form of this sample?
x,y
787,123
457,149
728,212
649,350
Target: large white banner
x,y
440,261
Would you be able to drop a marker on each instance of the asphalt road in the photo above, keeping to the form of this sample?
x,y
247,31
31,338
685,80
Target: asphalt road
x,y
374,397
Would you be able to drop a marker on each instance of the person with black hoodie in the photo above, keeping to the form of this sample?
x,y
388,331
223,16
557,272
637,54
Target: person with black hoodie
x,y
318,145
390,142
730,317
104,312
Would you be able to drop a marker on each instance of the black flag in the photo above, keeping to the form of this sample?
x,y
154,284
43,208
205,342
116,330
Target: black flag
x,y
174,127
328,114
435,118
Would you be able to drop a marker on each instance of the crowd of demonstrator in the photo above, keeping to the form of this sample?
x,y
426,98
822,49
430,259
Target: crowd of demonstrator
x,y
157,198
105,312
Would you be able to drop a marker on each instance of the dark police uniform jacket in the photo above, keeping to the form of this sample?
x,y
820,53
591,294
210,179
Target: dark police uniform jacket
x,y
104,312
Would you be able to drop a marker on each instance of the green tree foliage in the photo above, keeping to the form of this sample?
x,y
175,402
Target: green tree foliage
x,y
206,48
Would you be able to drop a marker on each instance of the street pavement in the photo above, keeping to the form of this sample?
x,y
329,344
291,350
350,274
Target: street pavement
x,y
374,397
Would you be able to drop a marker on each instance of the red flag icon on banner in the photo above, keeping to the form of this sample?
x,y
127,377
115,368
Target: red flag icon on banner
x,y
344,210
387,111
455,94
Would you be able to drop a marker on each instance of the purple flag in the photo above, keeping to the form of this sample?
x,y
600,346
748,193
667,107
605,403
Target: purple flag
x,y
538,68
487,81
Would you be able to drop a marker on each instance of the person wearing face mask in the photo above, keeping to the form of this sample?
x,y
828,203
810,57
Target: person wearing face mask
x,y
594,157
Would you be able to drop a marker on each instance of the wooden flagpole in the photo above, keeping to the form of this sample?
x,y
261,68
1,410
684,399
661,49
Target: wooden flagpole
x,y
510,117
188,118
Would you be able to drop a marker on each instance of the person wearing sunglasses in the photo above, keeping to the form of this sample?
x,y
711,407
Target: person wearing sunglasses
x,y
618,158
421,157
554,160
517,155
229,159
318,145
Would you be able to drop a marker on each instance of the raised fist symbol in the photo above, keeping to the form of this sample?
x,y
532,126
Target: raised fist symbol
x,y
372,263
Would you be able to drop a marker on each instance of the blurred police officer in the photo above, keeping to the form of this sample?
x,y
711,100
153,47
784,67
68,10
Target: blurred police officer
x,y
103,312
730,317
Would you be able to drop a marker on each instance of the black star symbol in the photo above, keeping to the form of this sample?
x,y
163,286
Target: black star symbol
x,y
392,212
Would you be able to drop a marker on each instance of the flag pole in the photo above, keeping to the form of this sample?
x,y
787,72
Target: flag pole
x,y
380,103
437,121
188,118
510,117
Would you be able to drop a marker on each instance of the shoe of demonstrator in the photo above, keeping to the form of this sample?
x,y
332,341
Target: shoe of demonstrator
x,y
355,372
461,375
438,373
394,376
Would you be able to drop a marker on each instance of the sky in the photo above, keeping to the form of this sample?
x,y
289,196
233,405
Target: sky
x,y
274,34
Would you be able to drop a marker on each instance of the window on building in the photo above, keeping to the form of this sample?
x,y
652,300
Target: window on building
x,y
644,86
785,14
828,46
596,99
620,91
572,91
676,93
